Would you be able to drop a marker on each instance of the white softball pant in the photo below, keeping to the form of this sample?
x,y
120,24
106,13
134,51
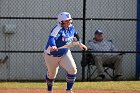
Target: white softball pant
x,y
53,63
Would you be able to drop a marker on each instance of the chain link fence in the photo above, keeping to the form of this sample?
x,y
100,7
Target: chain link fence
x,y
26,24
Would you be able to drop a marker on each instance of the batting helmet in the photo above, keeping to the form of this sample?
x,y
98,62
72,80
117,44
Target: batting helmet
x,y
64,16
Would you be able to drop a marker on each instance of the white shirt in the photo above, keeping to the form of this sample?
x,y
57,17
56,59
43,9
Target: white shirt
x,y
104,45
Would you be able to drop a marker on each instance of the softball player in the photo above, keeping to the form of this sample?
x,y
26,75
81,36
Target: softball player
x,y
63,33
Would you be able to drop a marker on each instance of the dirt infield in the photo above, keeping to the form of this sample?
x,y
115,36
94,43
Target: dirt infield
x,y
33,90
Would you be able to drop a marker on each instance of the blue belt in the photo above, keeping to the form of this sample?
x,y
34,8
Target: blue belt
x,y
54,55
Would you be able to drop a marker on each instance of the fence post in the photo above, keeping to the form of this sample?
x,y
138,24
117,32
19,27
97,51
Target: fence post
x,y
138,42
84,26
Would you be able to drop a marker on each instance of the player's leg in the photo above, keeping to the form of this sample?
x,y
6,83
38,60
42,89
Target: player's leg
x,y
52,67
68,63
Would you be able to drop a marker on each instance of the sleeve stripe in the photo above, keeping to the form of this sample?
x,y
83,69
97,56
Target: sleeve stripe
x,y
55,31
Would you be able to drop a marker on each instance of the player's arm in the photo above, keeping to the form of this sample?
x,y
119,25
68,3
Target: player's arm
x,y
81,45
52,37
52,43
77,37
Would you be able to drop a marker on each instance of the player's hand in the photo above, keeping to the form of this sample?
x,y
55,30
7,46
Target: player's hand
x,y
83,47
54,48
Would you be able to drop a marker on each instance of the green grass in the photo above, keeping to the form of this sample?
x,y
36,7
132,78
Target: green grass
x,y
108,85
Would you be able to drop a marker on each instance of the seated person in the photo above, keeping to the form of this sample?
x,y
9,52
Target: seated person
x,y
99,44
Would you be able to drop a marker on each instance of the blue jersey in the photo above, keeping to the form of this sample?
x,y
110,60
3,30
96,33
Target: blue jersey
x,y
60,36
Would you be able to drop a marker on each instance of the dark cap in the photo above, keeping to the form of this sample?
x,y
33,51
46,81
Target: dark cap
x,y
98,32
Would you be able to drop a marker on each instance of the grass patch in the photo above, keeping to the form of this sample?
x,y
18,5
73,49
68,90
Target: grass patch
x,y
109,85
